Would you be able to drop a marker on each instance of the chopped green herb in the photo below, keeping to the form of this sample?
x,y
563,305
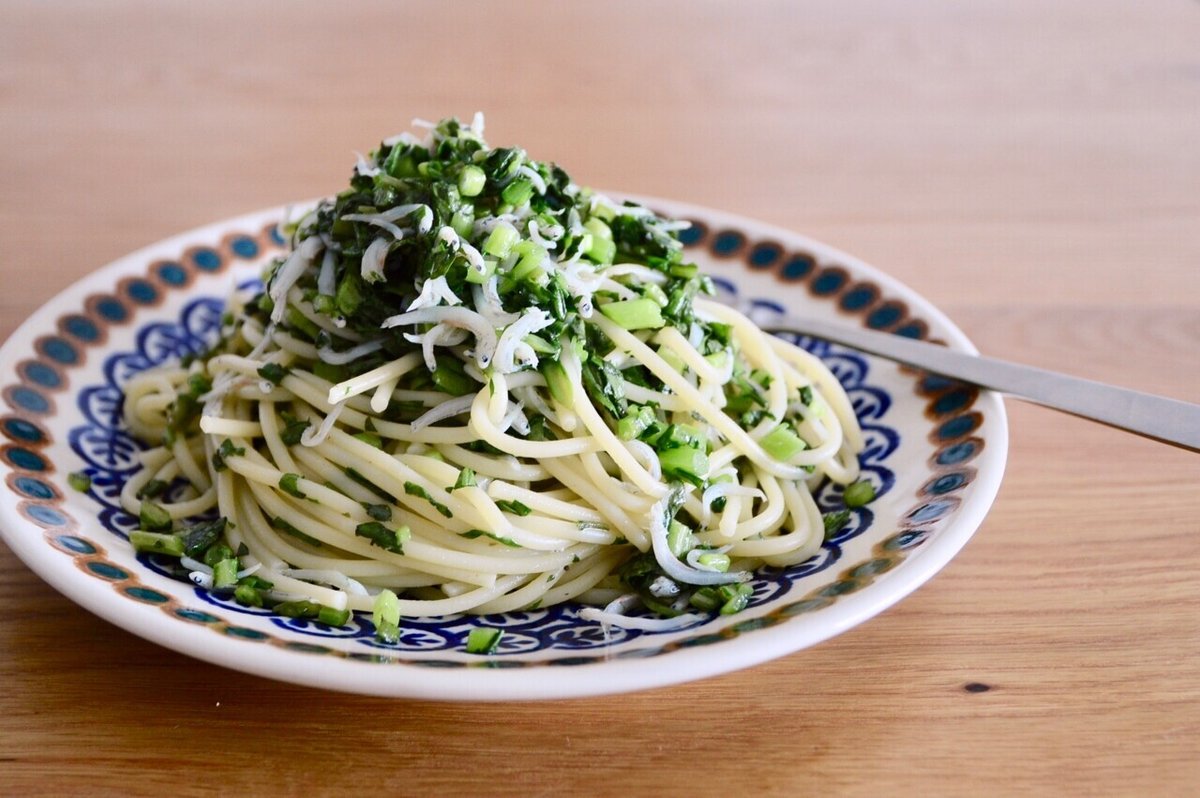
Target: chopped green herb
x,y
605,386
153,518
225,451
782,443
413,489
152,489
484,640
635,314
370,438
198,538
247,596
834,522
513,506
680,539
451,377
714,561
157,543
471,534
466,479
684,463
386,616
379,512
558,383
314,611
471,181
289,483
639,419
292,432
392,540
273,372
371,486
859,494
225,573
216,553
288,529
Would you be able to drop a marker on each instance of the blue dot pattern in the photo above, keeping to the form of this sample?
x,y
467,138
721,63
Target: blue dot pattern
x,y
828,282
46,516
22,430
81,327
59,350
25,459
171,273
244,247
33,488
728,242
764,256
112,310
77,545
958,453
207,259
41,374
798,267
142,292
29,399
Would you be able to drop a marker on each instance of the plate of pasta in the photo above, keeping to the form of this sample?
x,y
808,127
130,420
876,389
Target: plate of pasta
x,y
467,430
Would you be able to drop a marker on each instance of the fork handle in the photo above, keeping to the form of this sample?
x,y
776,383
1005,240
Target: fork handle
x,y
1166,420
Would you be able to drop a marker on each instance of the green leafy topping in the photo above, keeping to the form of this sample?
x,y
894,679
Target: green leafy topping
x,y
369,485
152,489
604,385
285,527
370,438
466,479
289,483
198,538
225,451
413,489
514,506
728,599
834,522
293,430
392,540
471,534
80,481
379,512
273,372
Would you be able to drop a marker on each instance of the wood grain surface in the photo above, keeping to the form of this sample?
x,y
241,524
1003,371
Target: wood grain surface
x,y
1032,168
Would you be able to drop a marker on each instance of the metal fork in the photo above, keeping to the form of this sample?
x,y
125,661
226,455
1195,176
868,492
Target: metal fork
x,y
1162,419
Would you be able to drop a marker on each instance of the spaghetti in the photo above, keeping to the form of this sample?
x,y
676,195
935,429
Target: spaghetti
x,y
473,386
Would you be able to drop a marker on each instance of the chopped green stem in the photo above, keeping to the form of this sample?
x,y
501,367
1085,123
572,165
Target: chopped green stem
x,y
859,494
157,543
484,640
635,314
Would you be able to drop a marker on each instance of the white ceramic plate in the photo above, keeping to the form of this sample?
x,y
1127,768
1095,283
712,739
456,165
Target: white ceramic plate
x,y
936,453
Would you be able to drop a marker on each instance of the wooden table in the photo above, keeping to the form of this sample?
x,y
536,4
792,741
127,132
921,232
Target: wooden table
x,y
1032,168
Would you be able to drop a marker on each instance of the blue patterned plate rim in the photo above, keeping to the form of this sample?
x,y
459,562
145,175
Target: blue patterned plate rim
x,y
951,442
